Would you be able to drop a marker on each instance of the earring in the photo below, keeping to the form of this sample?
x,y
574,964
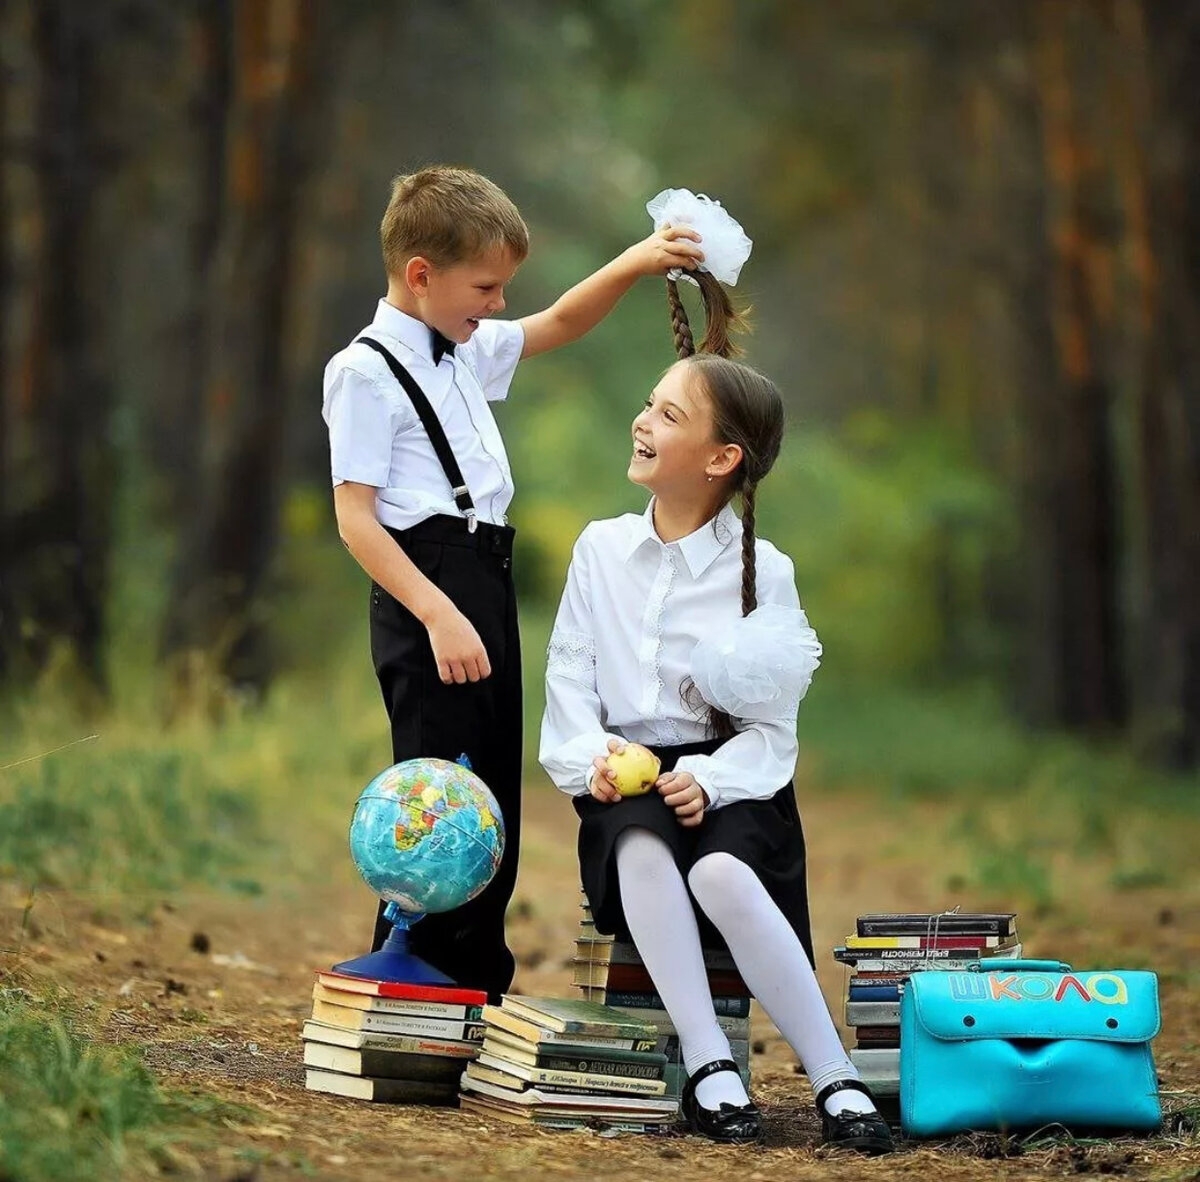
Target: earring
x,y
710,480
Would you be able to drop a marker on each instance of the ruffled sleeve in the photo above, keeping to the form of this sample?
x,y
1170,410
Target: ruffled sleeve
x,y
573,731
765,690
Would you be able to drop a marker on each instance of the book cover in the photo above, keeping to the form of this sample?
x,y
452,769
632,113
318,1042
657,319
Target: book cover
x,y
567,1101
532,1032
581,1081
450,994
941,941
383,1064
566,1057
635,978
352,1019
568,1015
382,1091
951,923
730,1007
410,1043
381,1004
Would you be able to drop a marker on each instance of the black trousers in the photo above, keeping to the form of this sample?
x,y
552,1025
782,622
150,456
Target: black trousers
x,y
482,719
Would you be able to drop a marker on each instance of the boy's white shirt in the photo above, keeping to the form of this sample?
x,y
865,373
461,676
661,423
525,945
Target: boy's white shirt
x,y
632,611
376,438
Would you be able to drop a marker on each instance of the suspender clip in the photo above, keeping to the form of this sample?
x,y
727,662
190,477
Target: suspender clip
x,y
472,521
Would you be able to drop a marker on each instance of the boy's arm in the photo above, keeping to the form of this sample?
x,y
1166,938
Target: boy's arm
x,y
586,304
457,648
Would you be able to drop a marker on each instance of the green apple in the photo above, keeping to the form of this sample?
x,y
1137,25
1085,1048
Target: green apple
x,y
636,769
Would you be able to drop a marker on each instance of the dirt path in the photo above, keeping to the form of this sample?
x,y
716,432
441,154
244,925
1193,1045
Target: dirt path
x,y
227,1020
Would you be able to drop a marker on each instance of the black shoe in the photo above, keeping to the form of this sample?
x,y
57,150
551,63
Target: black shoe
x,y
864,1132
734,1124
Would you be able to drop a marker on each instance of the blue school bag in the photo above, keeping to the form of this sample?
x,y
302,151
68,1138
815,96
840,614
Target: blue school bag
x,y
1028,1043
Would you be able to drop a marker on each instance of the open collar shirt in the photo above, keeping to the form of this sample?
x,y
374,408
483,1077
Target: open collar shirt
x,y
377,439
633,609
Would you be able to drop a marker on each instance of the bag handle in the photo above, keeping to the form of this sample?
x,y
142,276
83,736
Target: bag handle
x,y
1020,965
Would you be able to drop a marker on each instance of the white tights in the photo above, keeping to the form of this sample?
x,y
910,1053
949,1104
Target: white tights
x,y
763,945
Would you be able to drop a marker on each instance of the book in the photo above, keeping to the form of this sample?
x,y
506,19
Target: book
x,y
568,1015
532,1032
583,1102
733,1028
647,1064
879,1069
873,1013
940,941
446,994
383,1004
382,1091
486,1107
946,923
884,1035
383,1064
907,960
606,950
351,1019
635,978
410,1043
573,1080
880,1061
732,1007
887,992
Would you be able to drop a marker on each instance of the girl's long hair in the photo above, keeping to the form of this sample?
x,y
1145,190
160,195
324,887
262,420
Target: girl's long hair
x,y
747,410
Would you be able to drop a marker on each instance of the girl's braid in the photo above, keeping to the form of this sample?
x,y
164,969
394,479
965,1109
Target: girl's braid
x,y
749,571
685,346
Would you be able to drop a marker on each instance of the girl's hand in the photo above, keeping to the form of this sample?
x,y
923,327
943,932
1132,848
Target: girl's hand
x,y
674,246
681,792
601,784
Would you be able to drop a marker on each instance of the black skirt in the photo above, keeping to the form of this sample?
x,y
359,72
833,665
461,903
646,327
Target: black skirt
x,y
765,834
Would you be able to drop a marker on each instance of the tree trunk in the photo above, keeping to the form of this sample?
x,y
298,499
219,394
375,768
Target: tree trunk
x,y
1162,138
213,633
1080,496
59,470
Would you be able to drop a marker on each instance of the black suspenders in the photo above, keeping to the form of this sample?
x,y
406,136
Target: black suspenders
x,y
433,428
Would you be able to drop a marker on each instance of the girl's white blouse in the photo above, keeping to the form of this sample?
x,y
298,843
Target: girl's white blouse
x,y
632,611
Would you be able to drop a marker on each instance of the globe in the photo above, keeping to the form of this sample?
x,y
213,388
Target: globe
x,y
427,836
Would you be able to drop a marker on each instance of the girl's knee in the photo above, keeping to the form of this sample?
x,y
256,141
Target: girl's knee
x,y
641,851
719,883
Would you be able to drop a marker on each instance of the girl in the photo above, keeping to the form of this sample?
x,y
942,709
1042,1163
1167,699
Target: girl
x,y
644,595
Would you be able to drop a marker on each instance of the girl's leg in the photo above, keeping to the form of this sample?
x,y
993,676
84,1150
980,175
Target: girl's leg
x,y
663,925
775,966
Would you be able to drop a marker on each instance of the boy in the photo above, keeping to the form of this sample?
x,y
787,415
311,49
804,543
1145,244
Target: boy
x,y
421,486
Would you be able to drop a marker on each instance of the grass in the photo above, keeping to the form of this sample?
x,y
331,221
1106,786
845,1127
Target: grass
x,y
71,1108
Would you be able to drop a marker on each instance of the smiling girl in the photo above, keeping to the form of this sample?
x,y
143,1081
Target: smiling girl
x,y
720,840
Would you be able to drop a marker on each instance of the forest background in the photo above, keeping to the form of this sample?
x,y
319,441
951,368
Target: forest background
x,y
976,277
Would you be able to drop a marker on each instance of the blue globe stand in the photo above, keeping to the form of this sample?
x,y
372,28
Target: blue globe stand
x,y
394,962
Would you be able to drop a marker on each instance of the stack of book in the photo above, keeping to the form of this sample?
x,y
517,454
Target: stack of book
x,y
883,951
562,1063
388,1041
611,972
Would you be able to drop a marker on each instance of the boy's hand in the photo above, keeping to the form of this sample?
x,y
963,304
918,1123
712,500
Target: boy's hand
x,y
459,652
681,792
673,246
601,785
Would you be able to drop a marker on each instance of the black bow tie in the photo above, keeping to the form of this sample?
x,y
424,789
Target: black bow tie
x,y
442,346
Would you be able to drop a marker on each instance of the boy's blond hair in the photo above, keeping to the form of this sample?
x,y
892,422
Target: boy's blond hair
x,y
448,215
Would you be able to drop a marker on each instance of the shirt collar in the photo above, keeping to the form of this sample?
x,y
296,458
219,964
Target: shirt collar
x,y
408,330
699,549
